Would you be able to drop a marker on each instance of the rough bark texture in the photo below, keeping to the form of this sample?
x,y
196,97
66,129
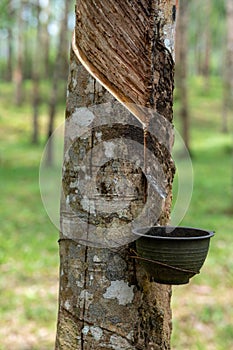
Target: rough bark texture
x,y
134,38
107,301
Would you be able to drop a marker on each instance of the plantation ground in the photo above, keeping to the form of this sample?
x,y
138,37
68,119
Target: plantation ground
x,y
202,310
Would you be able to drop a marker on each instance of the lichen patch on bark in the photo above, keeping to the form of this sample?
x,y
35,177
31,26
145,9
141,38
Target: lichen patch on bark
x,y
121,291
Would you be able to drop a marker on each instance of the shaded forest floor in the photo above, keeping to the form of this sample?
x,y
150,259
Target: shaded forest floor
x,y
202,310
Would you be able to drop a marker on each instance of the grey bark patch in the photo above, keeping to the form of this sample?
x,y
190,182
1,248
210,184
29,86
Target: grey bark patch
x,y
121,291
116,268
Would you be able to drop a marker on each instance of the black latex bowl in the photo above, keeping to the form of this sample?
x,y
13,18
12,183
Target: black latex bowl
x,y
172,255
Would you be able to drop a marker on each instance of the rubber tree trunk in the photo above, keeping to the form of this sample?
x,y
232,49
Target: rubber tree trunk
x,y
118,121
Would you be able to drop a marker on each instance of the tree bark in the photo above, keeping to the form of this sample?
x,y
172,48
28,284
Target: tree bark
x,y
106,299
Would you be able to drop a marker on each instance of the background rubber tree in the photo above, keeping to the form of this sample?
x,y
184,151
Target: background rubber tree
x,y
60,69
106,299
18,71
228,68
182,69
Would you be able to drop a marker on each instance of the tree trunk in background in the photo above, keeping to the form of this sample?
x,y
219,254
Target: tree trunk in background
x,y
181,68
106,300
9,55
36,79
207,51
9,74
60,67
202,41
28,54
46,40
228,68
18,72
198,44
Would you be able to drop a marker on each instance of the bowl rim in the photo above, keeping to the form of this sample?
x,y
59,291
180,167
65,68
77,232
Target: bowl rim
x,y
137,232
